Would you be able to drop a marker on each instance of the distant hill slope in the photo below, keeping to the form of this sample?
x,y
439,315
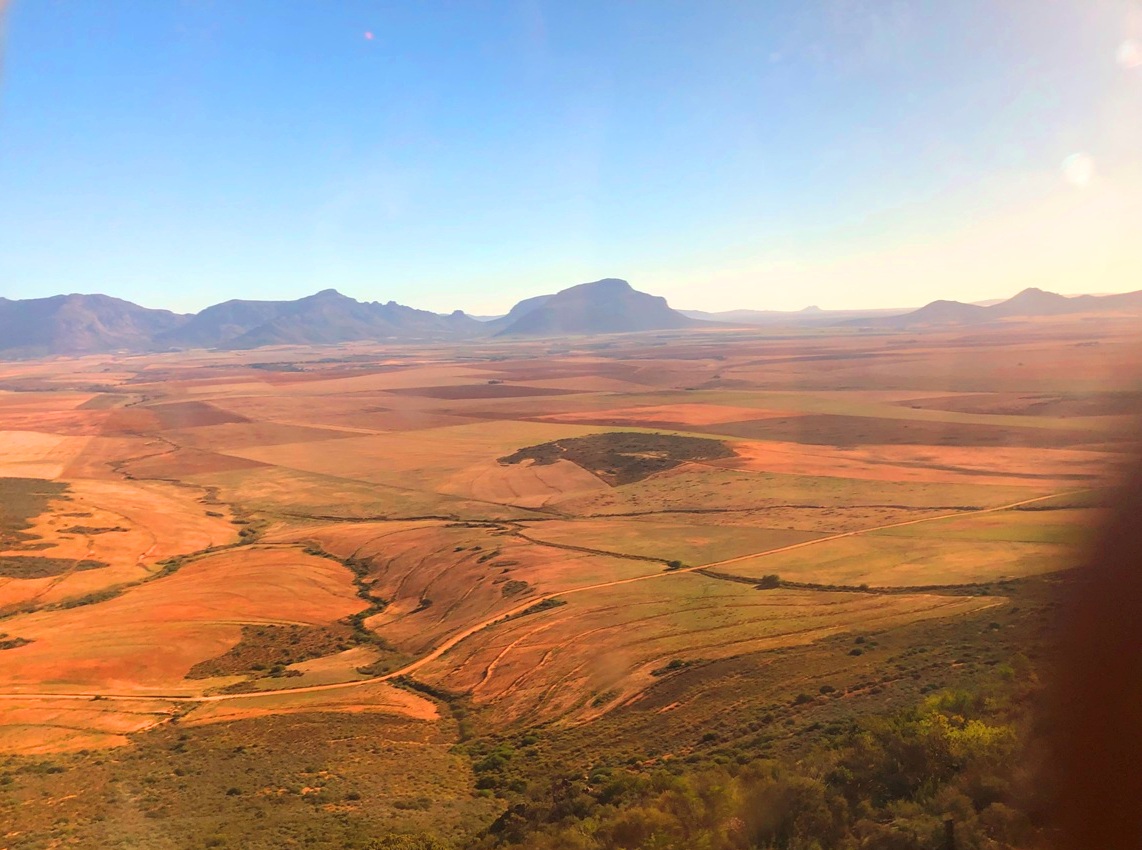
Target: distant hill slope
x,y
79,324
517,312
324,318
942,312
809,316
1029,303
601,307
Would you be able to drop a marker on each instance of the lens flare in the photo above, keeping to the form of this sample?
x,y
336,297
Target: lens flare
x,y
1078,170
1130,54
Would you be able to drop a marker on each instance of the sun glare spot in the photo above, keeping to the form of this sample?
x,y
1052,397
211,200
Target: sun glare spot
x,y
1130,54
1078,170
368,35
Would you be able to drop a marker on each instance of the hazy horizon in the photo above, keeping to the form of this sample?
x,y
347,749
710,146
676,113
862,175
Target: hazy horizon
x,y
158,305
849,156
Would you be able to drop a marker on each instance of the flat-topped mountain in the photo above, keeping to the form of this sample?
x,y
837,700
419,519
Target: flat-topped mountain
x,y
79,324
1029,303
602,307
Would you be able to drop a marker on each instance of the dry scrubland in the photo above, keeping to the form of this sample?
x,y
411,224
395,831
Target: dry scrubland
x,y
624,540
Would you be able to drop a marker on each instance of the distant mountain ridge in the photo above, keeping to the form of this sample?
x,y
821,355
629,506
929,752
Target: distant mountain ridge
x,y
1030,303
86,324
326,317
79,324
808,316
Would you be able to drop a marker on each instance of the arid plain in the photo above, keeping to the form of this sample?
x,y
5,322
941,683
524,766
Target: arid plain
x,y
635,537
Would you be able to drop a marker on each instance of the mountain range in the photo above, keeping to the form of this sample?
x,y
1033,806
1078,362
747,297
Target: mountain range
x,y
1029,303
84,324
324,318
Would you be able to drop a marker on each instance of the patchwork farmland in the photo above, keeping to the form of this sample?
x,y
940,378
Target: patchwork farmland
x,y
422,550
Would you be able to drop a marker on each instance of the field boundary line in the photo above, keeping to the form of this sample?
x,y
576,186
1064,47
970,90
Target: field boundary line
x,y
447,645
840,536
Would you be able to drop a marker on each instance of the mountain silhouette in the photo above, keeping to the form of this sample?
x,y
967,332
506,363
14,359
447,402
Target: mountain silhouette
x,y
1030,303
79,324
324,318
601,307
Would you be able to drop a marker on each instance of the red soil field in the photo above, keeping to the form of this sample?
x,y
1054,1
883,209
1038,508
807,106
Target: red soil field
x,y
386,457
680,415
478,391
145,640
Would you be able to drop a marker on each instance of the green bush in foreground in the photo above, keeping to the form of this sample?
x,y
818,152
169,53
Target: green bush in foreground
x,y
886,784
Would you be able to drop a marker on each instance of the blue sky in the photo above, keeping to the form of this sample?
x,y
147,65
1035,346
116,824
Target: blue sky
x,y
465,155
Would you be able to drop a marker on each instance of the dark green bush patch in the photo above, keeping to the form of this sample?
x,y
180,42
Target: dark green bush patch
x,y
622,457
36,566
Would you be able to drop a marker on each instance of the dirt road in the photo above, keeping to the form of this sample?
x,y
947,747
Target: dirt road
x,y
463,635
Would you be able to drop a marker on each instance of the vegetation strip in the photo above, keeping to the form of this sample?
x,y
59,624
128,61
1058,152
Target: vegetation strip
x,y
457,638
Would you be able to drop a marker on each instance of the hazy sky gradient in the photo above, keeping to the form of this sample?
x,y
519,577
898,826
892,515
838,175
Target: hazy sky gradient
x,y
465,155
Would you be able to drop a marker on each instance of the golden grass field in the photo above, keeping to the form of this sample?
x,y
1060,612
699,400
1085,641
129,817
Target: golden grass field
x,y
887,480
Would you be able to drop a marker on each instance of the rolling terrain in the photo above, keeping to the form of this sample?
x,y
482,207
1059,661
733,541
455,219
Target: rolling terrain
x,y
328,594
1029,304
90,324
79,324
324,318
